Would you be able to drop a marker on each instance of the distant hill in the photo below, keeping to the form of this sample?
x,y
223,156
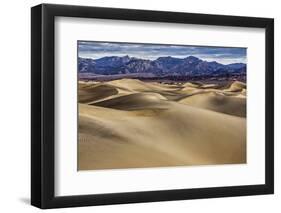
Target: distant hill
x,y
161,67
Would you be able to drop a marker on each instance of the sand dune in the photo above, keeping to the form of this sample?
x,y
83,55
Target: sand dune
x,y
136,124
140,86
134,101
236,87
96,92
192,84
217,102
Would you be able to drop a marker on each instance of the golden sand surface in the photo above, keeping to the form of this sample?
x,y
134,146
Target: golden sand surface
x,y
129,123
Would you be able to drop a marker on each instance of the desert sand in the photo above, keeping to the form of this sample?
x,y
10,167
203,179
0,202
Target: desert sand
x,y
129,123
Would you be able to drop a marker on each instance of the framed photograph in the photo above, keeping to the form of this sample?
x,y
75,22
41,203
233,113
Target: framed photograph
x,y
139,106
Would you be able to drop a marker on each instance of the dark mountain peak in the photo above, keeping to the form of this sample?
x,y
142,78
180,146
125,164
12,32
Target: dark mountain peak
x,y
213,62
112,61
239,64
166,63
192,58
126,57
236,65
164,58
168,58
112,58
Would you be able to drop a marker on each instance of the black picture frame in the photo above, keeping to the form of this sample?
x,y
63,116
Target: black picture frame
x,y
43,117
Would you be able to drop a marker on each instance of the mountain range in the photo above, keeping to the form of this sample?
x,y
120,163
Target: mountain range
x,y
162,66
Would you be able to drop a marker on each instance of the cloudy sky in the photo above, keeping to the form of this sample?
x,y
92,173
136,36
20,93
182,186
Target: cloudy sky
x,y
224,55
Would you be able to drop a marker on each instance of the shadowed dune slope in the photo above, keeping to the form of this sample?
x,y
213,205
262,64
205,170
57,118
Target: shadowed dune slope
x,y
217,102
134,101
96,92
